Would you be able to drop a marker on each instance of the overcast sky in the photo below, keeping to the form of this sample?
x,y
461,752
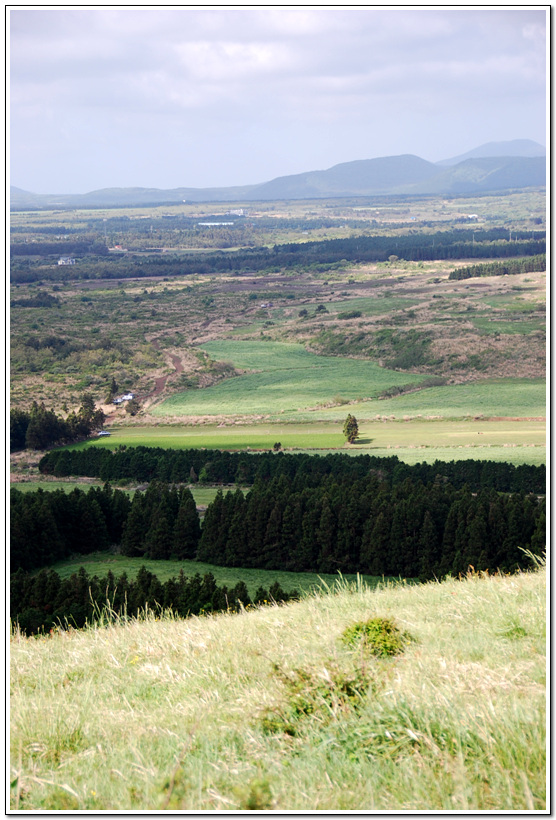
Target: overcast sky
x,y
167,97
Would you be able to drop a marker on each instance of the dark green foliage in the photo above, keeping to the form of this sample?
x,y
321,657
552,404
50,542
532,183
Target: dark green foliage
x,y
40,428
350,314
511,267
39,603
19,422
313,697
351,428
378,636
324,514
146,463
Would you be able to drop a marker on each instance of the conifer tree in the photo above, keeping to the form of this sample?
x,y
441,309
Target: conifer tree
x,y
351,429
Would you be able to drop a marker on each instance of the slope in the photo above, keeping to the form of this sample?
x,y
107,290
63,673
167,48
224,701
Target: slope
x,y
272,709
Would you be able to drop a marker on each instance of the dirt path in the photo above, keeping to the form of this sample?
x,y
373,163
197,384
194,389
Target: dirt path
x,y
160,383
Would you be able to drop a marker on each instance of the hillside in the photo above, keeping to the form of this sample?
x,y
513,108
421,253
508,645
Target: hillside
x,y
484,169
513,148
272,710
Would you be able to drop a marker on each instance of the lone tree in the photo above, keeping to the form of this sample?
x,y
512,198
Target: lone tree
x,y
351,428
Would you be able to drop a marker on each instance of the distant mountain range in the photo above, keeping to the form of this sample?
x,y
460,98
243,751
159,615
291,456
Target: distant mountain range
x,y
495,166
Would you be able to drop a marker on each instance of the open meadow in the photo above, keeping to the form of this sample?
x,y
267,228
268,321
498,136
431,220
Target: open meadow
x,y
250,712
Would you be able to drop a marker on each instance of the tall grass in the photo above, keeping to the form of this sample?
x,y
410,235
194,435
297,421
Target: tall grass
x,y
208,714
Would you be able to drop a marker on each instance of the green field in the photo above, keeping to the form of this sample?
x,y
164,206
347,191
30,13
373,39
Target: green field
x,y
518,442
510,398
288,379
202,495
367,305
529,325
100,563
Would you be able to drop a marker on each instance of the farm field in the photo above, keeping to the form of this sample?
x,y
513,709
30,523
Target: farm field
x,y
288,379
499,398
100,563
518,442
287,374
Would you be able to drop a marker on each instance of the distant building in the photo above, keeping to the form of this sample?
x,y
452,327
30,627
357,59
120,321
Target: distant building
x,y
126,397
66,260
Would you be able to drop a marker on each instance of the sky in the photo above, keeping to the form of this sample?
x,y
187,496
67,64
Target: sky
x,y
199,97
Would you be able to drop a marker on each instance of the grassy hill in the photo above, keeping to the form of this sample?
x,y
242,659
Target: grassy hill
x,y
271,709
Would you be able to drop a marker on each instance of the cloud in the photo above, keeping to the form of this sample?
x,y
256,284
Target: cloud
x,y
286,71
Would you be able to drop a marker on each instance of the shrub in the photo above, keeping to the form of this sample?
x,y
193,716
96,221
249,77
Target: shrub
x,y
319,696
350,314
379,636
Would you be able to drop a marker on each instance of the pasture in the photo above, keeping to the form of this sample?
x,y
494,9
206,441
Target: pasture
x,y
287,378
102,562
202,495
518,442
288,381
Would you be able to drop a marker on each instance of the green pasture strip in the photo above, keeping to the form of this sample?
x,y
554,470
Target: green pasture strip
x,y
524,327
202,495
100,563
371,305
288,379
51,486
255,436
367,305
518,442
521,398
515,303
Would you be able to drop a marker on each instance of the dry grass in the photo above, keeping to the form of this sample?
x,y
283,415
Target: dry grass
x,y
170,714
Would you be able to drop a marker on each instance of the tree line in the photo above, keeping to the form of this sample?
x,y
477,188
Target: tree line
x,y
39,428
511,267
44,601
411,530
366,525
413,246
144,463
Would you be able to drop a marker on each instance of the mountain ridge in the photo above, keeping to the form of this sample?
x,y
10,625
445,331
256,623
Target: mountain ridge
x,y
405,174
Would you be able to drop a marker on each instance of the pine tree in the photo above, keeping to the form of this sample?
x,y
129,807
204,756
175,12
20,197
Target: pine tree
x,y
351,428
133,536
187,529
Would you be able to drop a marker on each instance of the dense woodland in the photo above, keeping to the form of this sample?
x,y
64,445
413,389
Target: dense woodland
x,y
223,467
44,601
511,267
358,519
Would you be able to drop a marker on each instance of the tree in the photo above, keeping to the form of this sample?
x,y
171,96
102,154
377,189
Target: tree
x,y
132,407
351,428
112,390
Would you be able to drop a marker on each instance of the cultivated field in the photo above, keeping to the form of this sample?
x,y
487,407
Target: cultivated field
x,y
518,442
